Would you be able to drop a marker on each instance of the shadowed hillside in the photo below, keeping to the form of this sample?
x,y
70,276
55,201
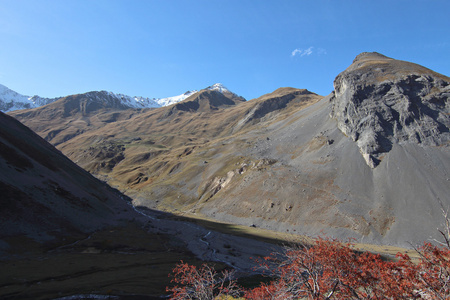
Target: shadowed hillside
x,y
44,195
56,221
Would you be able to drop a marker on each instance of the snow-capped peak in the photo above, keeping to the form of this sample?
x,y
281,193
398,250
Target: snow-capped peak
x,y
8,95
218,87
11,100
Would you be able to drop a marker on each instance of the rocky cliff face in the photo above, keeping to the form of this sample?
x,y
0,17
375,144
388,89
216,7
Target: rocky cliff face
x,y
379,101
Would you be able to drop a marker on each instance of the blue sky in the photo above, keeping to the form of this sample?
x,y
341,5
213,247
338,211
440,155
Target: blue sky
x,y
161,48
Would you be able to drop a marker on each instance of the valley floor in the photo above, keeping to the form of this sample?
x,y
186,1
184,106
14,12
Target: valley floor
x,y
127,262
133,261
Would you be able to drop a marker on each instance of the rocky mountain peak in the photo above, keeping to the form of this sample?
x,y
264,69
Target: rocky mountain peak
x,y
218,87
369,56
206,100
380,101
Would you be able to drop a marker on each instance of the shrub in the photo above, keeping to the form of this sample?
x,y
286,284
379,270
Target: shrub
x,y
202,283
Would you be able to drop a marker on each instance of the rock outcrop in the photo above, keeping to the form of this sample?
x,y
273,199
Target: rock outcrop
x,y
379,101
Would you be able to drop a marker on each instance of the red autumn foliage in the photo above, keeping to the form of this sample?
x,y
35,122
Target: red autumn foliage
x,y
331,270
328,269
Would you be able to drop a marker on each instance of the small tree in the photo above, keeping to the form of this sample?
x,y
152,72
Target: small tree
x,y
433,272
202,283
434,267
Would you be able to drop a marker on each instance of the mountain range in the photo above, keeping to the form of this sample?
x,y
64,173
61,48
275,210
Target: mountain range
x,y
369,161
11,100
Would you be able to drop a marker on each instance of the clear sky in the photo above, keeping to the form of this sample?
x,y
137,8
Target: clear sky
x,y
161,48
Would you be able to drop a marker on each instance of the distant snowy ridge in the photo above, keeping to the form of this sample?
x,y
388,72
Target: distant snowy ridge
x,y
141,102
11,100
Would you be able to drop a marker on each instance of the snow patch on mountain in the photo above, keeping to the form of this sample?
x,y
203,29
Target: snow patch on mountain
x,y
175,99
218,87
11,100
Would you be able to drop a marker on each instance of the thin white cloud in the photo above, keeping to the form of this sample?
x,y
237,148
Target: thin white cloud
x,y
308,51
297,51
302,52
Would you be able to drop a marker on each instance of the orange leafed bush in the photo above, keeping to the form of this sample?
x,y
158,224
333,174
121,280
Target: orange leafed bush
x,y
332,270
327,269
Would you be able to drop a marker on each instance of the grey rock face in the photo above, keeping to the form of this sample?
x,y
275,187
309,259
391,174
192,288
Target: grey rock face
x,y
379,101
